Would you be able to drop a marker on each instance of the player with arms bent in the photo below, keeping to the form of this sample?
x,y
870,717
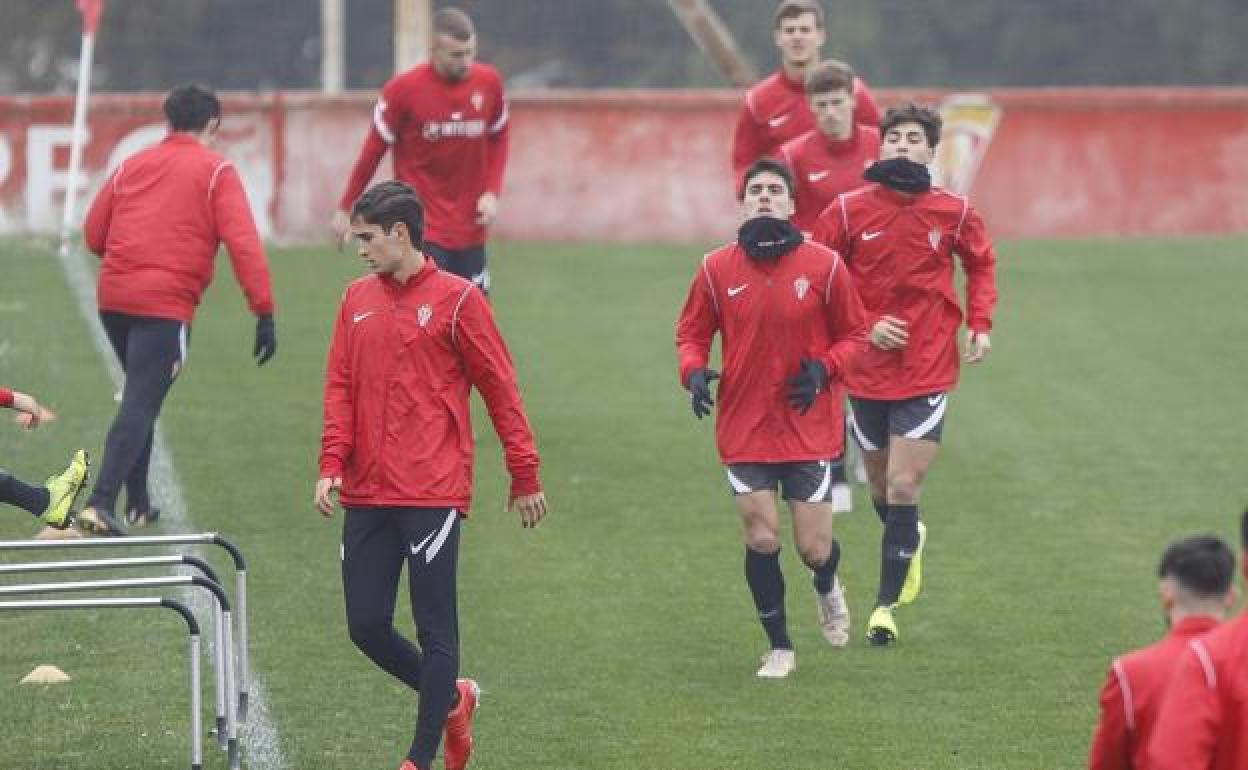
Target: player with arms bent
x,y
790,324
899,237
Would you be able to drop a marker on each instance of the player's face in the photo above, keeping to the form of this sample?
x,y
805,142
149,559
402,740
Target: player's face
x,y
834,113
906,140
799,39
381,253
453,58
767,195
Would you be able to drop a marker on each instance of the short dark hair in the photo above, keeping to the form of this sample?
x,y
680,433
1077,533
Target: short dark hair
x,y
791,9
191,107
385,203
769,165
927,117
1202,564
453,23
830,75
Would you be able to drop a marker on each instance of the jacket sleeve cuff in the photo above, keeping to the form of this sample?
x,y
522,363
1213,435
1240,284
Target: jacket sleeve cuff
x,y
525,485
980,325
331,467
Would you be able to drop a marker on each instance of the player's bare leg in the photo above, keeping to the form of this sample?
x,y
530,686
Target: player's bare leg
x,y
812,531
904,537
760,519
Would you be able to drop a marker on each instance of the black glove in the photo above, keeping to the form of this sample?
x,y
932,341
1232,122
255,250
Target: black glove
x,y
699,385
805,386
266,340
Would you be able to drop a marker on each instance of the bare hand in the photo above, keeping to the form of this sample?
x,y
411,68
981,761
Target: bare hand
x,y
30,413
326,491
889,333
341,227
532,508
487,209
978,345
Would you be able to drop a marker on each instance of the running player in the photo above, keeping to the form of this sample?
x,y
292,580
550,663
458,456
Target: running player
x,y
900,236
790,324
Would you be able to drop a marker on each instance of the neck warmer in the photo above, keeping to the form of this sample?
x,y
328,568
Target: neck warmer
x,y
901,174
768,237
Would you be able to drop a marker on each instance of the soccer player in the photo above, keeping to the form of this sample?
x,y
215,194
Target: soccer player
x,y
776,108
790,324
447,122
409,344
1196,594
829,159
51,501
1203,720
157,223
899,236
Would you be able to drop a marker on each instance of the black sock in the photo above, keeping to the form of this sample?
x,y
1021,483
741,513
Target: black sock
x,y
17,492
901,537
881,510
837,471
827,573
762,572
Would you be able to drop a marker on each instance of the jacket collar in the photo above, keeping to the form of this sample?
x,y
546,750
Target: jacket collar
x,y
1193,625
425,272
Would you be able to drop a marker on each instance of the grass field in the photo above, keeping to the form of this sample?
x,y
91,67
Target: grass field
x,y
1108,421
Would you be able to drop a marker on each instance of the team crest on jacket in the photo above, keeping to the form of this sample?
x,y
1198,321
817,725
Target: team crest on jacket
x,y
801,286
477,100
933,238
423,315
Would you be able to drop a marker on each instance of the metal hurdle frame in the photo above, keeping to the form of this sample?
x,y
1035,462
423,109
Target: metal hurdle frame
x,y
197,737
224,657
150,561
202,538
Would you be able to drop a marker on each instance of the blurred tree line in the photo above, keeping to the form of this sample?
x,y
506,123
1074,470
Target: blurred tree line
x,y
267,44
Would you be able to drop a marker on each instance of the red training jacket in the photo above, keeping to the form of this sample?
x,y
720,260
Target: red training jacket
x,y
1132,695
450,141
397,419
776,111
900,251
1203,722
157,223
770,316
823,168
6,397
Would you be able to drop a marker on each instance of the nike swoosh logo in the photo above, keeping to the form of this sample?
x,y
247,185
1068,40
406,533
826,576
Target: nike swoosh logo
x,y
734,291
416,548
934,400
906,554
872,236
779,120
815,176
355,319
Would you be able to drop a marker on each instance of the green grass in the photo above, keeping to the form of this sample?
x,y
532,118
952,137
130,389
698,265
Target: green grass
x,y
620,634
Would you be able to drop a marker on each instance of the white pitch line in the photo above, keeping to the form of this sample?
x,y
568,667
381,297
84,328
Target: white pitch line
x,y
258,736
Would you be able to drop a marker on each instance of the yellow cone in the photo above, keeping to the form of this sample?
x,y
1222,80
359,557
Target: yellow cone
x,y
46,675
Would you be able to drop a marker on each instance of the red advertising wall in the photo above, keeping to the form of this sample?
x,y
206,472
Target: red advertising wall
x,y
653,166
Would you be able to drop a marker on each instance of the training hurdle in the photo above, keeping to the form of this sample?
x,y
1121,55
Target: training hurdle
x,y
220,622
224,656
203,538
197,738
